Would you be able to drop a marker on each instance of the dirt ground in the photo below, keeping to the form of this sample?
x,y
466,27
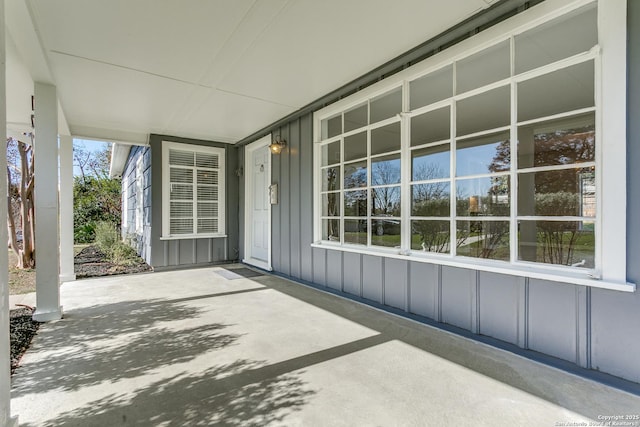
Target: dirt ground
x,y
88,262
20,281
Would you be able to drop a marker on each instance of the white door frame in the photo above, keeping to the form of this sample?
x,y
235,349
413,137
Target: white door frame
x,y
248,203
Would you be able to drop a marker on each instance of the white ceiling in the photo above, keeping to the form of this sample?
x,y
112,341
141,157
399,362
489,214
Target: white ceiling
x,y
209,69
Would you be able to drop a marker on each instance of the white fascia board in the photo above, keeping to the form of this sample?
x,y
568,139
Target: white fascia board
x,y
119,156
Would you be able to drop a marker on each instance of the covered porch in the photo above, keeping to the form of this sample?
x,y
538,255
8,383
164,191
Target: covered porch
x,y
207,346
198,347
221,71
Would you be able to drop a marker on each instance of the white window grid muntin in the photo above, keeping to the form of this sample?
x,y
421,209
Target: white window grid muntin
x,y
512,127
168,184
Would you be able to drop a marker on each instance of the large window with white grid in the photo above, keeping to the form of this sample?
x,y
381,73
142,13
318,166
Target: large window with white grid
x,y
493,156
193,191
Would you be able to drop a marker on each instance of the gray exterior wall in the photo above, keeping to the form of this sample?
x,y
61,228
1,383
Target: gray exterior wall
x,y
162,254
193,252
589,327
140,241
292,217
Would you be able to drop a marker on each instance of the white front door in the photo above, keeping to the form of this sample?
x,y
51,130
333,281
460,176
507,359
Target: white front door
x,y
257,204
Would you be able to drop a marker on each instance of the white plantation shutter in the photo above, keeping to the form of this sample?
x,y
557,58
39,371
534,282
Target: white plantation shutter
x,y
195,183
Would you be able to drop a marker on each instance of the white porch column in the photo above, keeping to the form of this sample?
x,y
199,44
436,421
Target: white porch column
x,y
67,273
5,380
46,201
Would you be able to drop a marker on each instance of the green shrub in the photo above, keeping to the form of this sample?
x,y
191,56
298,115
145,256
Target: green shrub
x,y
108,241
85,233
106,236
94,200
123,254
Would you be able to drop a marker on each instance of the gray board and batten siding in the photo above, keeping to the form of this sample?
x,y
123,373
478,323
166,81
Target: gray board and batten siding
x,y
140,241
201,251
592,328
166,254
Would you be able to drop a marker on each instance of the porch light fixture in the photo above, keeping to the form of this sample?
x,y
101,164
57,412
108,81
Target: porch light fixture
x,y
277,145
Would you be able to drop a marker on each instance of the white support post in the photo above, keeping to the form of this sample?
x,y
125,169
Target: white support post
x,y
46,204
66,209
5,379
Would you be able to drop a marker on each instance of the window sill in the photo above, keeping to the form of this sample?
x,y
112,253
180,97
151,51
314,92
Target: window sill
x,y
194,236
575,278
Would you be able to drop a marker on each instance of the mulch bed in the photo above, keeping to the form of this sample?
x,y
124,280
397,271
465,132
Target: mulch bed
x,y
22,329
90,262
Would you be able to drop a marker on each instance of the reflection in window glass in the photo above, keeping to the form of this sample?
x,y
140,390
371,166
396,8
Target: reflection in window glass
x,y
386,106
355,175
331,127
331,230
355,231
356,118
564,90
483,239
385,201
565,192
430,236
431,88
570,243
561,38
559,142
487,66
430,163
485,111
483,196
385,139
355,146
485,154
468,194
385,170
331,153
431,199
432,126
331,204
385,232
331,178
355,203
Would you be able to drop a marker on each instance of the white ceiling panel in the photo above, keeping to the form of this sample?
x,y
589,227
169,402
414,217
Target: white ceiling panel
x,y
211,69
170,38
314,47
235,115
96,95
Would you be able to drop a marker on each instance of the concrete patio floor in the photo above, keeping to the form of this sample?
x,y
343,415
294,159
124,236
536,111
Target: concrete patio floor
x,y
194,348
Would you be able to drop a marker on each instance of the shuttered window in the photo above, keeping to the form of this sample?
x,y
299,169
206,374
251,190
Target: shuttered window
x,y
194,191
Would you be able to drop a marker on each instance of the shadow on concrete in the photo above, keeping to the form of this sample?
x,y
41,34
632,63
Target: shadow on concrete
x,y
107,343
115,341
236,394
541,381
